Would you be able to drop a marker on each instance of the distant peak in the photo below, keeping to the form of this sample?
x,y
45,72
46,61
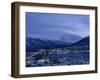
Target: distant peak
x,y
70,38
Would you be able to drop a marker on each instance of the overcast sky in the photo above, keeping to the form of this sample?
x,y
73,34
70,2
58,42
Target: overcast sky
x,y
54,26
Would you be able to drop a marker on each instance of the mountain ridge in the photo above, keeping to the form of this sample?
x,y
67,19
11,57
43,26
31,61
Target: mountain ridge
x,y
37,44
82,42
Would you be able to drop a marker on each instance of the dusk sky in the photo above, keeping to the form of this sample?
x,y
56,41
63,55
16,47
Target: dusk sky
x,y
54,26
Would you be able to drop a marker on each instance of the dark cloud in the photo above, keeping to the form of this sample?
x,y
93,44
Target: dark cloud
x,y
56,25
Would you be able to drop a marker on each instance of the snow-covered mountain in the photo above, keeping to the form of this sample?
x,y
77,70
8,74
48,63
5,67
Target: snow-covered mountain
x,y
70,38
